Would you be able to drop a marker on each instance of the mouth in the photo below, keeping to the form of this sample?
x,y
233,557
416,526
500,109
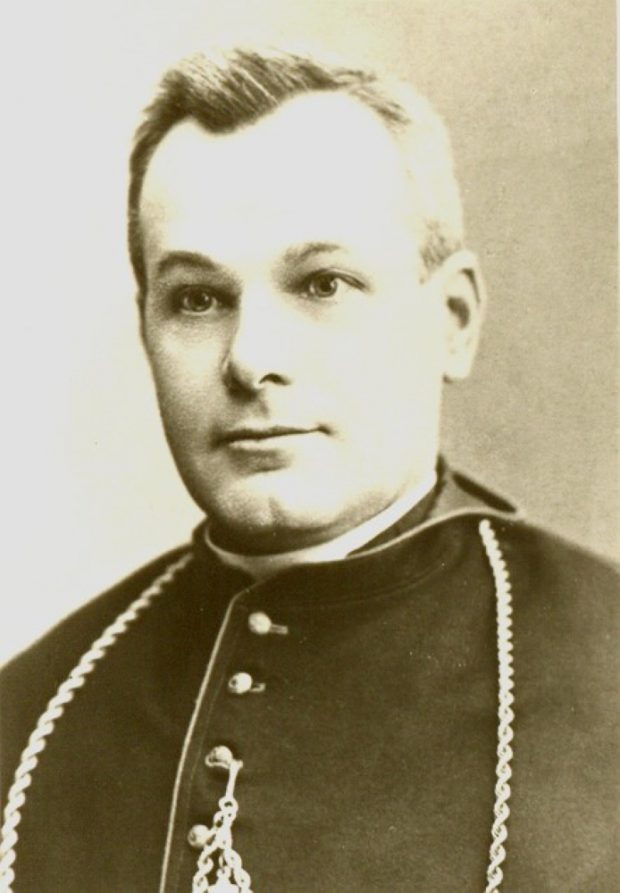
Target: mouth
x,y
253,435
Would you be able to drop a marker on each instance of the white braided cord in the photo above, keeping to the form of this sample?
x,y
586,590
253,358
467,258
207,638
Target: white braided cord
x,y
56,707
66,692
505,734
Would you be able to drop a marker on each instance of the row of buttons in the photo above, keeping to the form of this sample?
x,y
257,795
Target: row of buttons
x,y
221,757
260,624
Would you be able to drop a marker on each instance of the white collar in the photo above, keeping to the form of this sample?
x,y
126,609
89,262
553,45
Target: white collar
x,y
259,567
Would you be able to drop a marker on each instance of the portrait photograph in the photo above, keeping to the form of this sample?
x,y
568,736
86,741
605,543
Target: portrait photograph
x,y
311,447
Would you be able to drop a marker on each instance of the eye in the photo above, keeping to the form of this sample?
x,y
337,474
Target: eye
x,y
194,300
323,285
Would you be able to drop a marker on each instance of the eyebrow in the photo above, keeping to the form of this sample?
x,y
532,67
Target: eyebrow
x,y
199,261
195,259
307,249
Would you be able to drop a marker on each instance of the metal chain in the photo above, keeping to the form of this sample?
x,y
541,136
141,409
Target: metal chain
x,y
230,874
505,734
56,707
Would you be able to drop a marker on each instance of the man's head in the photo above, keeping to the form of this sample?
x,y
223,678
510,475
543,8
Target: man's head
x,y
296,235
233,91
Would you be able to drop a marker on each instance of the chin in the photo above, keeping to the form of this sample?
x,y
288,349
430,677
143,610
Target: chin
x,y
263,513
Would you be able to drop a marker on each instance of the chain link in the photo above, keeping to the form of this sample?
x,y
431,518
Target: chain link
x,y
230,877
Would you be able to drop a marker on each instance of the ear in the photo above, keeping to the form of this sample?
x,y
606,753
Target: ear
x,y
464,299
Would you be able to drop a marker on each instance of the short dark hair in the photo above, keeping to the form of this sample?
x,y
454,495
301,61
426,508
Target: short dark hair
x,y
238,88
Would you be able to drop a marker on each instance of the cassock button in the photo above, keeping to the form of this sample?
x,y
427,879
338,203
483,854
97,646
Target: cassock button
x,y
240,683
198,836
219,757
260,624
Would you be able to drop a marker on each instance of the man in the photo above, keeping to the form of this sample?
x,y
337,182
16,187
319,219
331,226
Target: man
x,y
317,694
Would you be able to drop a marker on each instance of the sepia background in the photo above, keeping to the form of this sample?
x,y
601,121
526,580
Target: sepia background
x,y
527,89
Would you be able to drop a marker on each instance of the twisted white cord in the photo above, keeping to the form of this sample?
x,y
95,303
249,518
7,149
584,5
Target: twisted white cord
x,y
501,810
55,709
86,664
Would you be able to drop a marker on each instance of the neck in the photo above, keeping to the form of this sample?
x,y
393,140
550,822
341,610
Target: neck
x,y
262,566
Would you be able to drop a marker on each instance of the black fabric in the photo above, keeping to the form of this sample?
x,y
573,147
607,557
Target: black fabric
x,y
369,759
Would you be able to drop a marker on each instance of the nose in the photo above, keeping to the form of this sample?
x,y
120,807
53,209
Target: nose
x,y
256,354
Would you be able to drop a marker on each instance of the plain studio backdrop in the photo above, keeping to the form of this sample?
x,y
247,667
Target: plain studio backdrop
x,y
527,90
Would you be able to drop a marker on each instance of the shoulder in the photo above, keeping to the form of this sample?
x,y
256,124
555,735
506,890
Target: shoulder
x,y
562,567
66,641
29,680
537,556
566,620
563,592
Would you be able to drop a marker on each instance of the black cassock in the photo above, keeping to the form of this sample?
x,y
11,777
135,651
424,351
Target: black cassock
x,y
361,697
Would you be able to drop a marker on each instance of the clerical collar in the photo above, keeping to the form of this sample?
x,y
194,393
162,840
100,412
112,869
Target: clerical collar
x,y
259,567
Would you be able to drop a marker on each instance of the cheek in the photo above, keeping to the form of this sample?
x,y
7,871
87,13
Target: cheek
x,y
389,367
396,422
185,382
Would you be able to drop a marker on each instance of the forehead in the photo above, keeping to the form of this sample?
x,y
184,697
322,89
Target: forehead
x,y
321,167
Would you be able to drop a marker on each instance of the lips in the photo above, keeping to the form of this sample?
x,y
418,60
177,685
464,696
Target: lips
x,y
260,433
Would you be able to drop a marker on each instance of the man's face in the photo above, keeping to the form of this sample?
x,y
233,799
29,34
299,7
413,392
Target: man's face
x,y
297,358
